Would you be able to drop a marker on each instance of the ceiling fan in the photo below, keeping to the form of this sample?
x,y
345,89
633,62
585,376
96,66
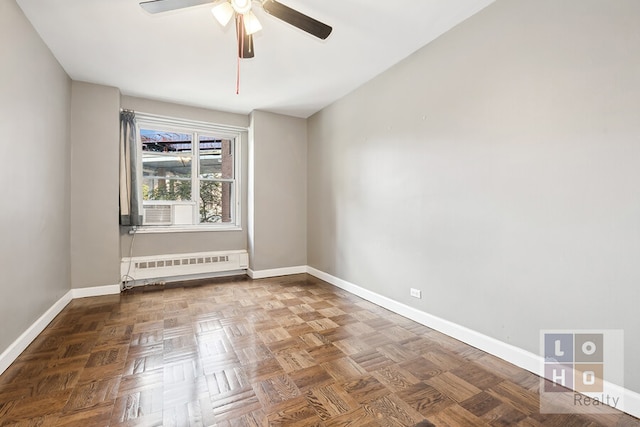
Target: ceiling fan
x,y
246,22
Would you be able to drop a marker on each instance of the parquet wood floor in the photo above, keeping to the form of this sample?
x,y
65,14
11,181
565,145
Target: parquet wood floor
x,y
289,351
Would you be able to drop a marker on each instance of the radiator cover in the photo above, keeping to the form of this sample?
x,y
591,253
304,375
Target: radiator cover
x,y
172,265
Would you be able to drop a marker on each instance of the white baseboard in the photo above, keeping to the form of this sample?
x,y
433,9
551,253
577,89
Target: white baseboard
x,y
22,342
631,399
512,354
95,291
286,271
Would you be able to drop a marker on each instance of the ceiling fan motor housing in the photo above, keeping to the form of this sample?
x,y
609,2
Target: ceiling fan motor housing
x,y
241,6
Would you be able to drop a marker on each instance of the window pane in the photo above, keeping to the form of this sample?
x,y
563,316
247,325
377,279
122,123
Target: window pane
x,y
215,201
167,165
159,141
216,158
166,154
165,189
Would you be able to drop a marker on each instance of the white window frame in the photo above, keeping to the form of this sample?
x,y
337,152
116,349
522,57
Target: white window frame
x,y
195,128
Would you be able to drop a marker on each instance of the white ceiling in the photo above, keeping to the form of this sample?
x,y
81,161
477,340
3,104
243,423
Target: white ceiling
x,y
187,57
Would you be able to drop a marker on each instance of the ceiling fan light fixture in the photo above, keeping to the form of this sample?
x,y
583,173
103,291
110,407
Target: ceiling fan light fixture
x,y
223,13
251,23
241,6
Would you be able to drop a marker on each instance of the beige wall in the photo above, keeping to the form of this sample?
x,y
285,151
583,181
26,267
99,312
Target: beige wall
x,y
276,231
95,243
278,191
34,219
173,243
184,112
496,170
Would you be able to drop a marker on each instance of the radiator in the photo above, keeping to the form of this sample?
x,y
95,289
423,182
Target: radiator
x,y
175,265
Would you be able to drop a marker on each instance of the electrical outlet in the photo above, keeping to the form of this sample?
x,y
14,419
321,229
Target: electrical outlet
x,y
416,293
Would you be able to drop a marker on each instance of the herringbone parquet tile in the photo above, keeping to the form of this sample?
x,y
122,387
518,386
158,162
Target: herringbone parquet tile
x,y
289,351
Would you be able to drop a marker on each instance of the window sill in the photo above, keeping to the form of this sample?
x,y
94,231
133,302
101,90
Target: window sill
x,y
153,229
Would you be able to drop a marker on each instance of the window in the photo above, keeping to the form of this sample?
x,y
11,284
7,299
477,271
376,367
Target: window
x,y
188,174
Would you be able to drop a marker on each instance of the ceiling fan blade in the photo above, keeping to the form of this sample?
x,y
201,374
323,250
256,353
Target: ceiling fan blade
x,y
245,41
247,47
157,6
297,19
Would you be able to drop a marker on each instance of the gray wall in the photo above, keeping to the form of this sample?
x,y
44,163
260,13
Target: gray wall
x,y
34,219
278,191
497,170
95,243
173,243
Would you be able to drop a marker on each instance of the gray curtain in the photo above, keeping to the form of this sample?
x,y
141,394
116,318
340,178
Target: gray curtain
x,y
130,203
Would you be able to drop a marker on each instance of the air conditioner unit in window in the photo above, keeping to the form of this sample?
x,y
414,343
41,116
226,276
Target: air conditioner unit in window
x,y
183,213
168,213
157,215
